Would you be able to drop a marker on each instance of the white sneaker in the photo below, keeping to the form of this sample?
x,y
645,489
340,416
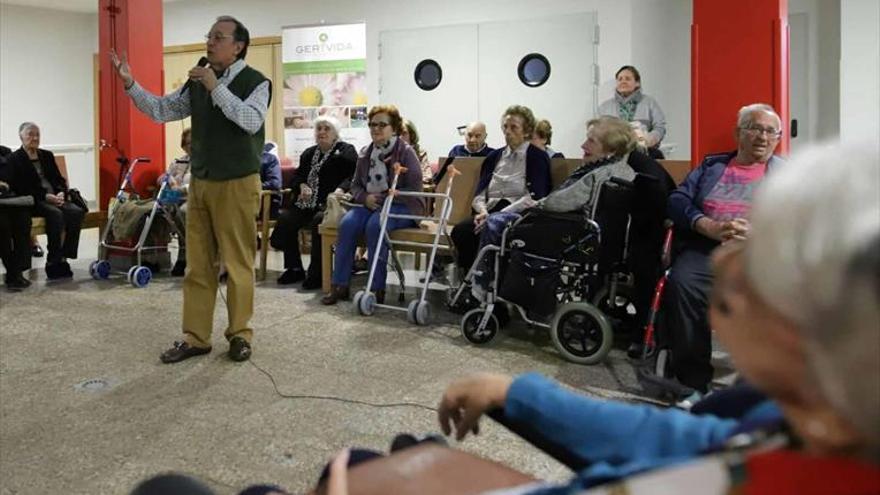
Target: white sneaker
x,y
688,402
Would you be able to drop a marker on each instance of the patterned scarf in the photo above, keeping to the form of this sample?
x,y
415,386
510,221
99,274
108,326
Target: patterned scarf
x,y
377,175
318,160
626,105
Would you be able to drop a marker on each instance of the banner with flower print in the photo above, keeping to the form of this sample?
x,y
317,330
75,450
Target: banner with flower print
x,y
324,74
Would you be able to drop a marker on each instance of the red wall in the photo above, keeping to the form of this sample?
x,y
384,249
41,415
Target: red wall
x,y
739,55
133,27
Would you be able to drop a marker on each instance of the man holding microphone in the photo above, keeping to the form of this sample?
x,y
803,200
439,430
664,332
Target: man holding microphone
x,y
228,101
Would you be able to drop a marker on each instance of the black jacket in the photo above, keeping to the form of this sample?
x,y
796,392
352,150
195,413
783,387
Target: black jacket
x,y
336,170
24,178
653,186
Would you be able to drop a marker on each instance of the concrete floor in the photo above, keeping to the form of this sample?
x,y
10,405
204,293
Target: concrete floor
x,y
87,408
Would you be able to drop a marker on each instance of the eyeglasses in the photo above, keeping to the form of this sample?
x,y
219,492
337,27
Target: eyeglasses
x,y
217,37
378,125
755,131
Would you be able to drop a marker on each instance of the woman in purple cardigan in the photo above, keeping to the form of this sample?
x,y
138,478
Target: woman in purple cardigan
x,y
373,175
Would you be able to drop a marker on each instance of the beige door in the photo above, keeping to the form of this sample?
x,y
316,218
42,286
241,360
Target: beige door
x,y
177,65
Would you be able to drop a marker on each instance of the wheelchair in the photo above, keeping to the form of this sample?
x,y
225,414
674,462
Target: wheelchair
x,y
557,271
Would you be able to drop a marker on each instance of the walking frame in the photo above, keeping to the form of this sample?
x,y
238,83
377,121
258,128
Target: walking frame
x,y
418,311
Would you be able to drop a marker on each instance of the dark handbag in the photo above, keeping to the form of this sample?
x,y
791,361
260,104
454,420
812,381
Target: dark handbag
x,y
531,282
74,196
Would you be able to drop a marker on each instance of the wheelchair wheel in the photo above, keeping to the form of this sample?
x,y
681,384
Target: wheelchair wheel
x,y
140,276
581,333
621,311
470,327
418,312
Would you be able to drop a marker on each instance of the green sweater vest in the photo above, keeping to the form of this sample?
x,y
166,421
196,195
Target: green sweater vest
x,y
221,150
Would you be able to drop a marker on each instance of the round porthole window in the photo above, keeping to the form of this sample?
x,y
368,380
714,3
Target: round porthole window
x,y
534,70
428,74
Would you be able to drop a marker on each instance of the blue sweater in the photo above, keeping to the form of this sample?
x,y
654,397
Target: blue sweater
x,y
461,150
618,439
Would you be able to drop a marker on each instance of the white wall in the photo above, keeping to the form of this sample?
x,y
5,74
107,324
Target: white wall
x,y
661,51
859,70
823,80
46,77
186,22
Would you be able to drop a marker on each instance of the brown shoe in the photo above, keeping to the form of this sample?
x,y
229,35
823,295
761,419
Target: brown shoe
x,y
380,296
337,293
180,351
239,349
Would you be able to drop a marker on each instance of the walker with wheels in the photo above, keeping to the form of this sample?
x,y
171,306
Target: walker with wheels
x,y
418,311
138,274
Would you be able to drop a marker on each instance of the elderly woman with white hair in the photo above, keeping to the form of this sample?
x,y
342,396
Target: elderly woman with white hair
x,y
323,168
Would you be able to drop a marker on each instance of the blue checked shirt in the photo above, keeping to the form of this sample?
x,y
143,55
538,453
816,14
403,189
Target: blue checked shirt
x,y
248,114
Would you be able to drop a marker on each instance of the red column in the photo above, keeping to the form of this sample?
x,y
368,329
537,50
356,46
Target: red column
x,y
739,55
133,27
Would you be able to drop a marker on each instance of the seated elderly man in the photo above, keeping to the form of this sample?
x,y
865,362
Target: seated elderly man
x,y
709,208
518,172
474,145
607,147
36,174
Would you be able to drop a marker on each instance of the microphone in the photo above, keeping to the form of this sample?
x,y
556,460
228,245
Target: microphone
x,y
202,62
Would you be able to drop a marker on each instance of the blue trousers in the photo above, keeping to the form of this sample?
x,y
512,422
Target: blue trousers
x,y
491,234
355,223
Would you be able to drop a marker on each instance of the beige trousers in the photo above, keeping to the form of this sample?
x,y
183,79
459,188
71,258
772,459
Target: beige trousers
x,y
220,224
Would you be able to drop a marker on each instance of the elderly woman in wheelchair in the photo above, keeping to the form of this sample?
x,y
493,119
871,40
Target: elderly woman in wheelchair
x,y
538,254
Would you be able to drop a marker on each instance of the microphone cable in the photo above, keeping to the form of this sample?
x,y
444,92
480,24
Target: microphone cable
x,y
333,398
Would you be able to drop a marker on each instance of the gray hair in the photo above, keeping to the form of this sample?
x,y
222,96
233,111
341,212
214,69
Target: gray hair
x,y
744,117
241,34
327,120
814,255
25,126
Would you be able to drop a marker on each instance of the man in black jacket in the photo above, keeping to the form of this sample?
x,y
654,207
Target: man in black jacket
x,y
15,227
35,173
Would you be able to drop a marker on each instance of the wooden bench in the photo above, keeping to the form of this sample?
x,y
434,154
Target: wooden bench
x,y
462,196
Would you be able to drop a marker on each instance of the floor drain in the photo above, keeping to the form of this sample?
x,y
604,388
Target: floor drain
x,y
93,385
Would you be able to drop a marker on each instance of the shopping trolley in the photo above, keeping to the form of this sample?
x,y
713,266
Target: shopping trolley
x,y
138,274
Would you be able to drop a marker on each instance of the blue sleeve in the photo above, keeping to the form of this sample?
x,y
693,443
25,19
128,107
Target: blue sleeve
x,y
610,432
682,208
271,173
